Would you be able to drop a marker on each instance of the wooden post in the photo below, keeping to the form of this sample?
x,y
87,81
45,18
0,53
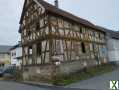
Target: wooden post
x,y
50,48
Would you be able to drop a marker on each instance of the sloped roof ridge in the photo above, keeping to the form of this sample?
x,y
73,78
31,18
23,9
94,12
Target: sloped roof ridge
x,y
49,6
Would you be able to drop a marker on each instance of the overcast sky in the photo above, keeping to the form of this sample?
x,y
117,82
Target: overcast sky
x,y
100,12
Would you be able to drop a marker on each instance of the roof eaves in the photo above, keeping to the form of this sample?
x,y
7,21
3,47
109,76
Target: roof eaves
x,y
55,10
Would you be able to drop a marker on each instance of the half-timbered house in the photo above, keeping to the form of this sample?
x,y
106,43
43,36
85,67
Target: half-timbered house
x,y
49,33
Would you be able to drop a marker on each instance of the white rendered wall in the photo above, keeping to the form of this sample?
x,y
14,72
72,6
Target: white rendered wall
x,y
113,49
17,52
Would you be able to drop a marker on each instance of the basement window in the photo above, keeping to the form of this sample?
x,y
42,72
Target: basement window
x,y
83,47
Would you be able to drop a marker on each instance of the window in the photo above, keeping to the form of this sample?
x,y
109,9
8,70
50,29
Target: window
x,y
29,33
99,35
39,49
12,54
30,50
37,26
93,33
83,47
81,31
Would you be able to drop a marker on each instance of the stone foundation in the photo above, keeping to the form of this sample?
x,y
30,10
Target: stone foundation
x,y
74,66
37,73
44,72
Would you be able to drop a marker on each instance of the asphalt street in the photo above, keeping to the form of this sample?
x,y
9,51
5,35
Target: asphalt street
x,y
10,85
101,82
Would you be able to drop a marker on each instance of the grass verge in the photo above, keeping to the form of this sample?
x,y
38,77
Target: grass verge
x,y
63,80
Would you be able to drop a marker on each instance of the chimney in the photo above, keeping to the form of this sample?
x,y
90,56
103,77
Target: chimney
x,y
56,3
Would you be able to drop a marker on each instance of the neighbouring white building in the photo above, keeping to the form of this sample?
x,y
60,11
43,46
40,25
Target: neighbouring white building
x,y
112,45
4,55
16,55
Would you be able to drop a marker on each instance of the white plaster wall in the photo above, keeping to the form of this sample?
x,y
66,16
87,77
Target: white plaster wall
x,y
18,52
113,49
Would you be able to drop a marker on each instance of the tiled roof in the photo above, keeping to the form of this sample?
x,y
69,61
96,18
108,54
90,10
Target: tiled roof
x,y
4,49
15,46
111,33
52,9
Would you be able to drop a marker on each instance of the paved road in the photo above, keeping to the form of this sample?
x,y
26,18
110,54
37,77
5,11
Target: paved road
x,y
9,85
98,83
